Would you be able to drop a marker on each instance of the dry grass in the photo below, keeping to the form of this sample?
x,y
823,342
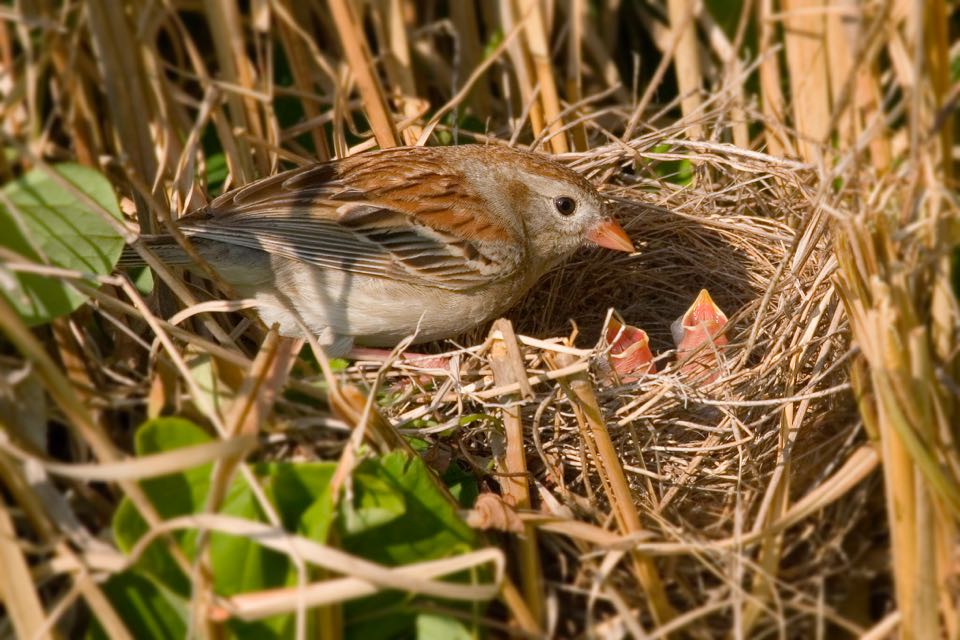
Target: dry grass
x,y
705,462
796,159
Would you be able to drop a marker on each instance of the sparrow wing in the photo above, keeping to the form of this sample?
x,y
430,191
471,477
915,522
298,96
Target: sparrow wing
x,y
395,215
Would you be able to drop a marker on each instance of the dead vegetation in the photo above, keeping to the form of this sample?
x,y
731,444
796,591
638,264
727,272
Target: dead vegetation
x,y
795,160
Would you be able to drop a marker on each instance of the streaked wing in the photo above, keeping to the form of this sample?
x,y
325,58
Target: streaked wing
x,y
330,216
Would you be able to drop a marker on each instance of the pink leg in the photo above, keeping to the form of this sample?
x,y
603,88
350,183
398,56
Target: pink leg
x,y
381,355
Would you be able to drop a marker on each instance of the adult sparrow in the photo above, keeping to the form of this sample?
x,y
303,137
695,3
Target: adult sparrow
x,y
424,241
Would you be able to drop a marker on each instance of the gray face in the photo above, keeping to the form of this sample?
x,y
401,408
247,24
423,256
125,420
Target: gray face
x,y
547,205
558,215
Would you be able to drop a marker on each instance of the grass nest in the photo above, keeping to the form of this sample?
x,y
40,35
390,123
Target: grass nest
x,y
708,456
741,481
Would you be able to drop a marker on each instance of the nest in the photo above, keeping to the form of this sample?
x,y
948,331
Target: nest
x,y
740,497
708,458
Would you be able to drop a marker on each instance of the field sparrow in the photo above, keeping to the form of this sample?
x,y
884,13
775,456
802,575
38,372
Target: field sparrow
x,y
373,248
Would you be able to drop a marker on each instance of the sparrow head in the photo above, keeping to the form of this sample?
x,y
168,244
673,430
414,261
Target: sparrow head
x,y
556,209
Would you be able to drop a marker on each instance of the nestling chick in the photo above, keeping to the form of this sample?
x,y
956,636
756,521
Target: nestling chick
x,y
702,323
630,352
376,247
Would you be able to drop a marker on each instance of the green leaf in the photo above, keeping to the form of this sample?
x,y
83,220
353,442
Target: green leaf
x,y
143,280
432,626
394,515
213,393
217,171
376,502
50,224
300,493
675,171
166,434
424,527
471,418
380,617
492,43
462,484
726,13
419,445
147,609
173,495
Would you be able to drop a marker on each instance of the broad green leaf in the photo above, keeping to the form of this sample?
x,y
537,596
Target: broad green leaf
x,y
427,526
50,224
173,495
432,626
301,493
166,434
143,280
419,445
380,617
147,609
462,484
675,171
393,515
376,502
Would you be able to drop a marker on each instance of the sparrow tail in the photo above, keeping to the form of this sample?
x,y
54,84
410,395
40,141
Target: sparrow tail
x,y
165,248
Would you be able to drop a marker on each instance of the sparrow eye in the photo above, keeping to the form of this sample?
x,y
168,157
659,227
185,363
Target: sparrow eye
x,y
565,205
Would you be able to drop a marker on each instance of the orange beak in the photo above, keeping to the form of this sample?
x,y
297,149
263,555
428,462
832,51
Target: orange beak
x,y
610,235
